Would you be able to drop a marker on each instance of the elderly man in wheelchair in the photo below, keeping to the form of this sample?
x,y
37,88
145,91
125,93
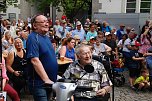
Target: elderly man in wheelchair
x,y
93,86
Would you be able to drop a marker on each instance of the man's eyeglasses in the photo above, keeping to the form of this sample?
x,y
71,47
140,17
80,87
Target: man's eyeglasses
x,y
45,21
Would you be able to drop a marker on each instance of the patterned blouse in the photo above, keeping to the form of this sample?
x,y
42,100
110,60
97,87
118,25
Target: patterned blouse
x,y
98,79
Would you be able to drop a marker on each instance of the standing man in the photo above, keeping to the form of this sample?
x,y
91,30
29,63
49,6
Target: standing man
x,y
42,59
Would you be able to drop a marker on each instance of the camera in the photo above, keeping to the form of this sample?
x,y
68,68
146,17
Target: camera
x,y
21,73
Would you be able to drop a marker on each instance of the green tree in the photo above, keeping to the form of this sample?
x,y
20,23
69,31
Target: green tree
x,y
70,7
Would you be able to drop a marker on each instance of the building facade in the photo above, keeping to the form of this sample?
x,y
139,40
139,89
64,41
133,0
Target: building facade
x,y
122,6
13,11
21,9
132,13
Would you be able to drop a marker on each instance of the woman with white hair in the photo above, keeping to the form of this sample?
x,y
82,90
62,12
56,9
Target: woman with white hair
x,y
16,65
7,42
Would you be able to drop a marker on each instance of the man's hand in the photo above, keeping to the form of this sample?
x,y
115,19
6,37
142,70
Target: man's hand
x,y
101,92
49,81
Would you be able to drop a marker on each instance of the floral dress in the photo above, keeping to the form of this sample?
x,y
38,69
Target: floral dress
x,y
145,44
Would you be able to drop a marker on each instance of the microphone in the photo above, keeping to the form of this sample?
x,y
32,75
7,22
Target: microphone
x,y
89,69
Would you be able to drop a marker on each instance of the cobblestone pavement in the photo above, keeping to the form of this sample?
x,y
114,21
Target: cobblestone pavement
x,y
127,94
123,93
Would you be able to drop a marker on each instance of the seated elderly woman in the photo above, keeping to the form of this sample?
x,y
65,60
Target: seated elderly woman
x,y
7,42
67,51
100,48
98,80
16,65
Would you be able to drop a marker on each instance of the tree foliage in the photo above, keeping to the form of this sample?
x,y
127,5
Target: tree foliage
x,y
70,7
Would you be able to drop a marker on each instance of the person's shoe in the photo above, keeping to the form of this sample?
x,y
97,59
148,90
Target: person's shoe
x,y
133,88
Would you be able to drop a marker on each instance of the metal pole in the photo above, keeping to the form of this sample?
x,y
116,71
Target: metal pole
x,y
112,70
1,80
1,40
53,15
151,10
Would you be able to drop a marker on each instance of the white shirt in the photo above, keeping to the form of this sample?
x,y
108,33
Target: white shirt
x,y
100,48
127,42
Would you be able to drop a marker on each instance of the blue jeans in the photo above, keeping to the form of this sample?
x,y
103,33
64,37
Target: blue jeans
x,y
149,66
39,92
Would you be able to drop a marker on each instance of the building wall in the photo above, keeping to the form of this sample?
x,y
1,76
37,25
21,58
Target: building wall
x,y
25,8
110,6
107,8
11,10
23,11
114,6
28,9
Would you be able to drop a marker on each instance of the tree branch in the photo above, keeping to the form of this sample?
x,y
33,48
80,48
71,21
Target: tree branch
x,y
78,10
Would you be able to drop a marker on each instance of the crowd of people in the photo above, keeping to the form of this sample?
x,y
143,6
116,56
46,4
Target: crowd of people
x,y
33,48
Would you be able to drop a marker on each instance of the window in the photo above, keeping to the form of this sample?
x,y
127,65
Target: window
x,y
145,0
131,6
12,16
145,6
131,0
130,10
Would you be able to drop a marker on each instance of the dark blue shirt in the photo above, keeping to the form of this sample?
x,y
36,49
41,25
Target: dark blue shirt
x,y
70,53
133,63
40,46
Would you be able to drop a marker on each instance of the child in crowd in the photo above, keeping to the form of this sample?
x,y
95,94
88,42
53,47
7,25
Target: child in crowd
x,y
134,64
142,82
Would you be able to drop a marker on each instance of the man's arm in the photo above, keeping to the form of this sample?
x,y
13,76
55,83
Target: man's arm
x,y
148,54
138,59
40,70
